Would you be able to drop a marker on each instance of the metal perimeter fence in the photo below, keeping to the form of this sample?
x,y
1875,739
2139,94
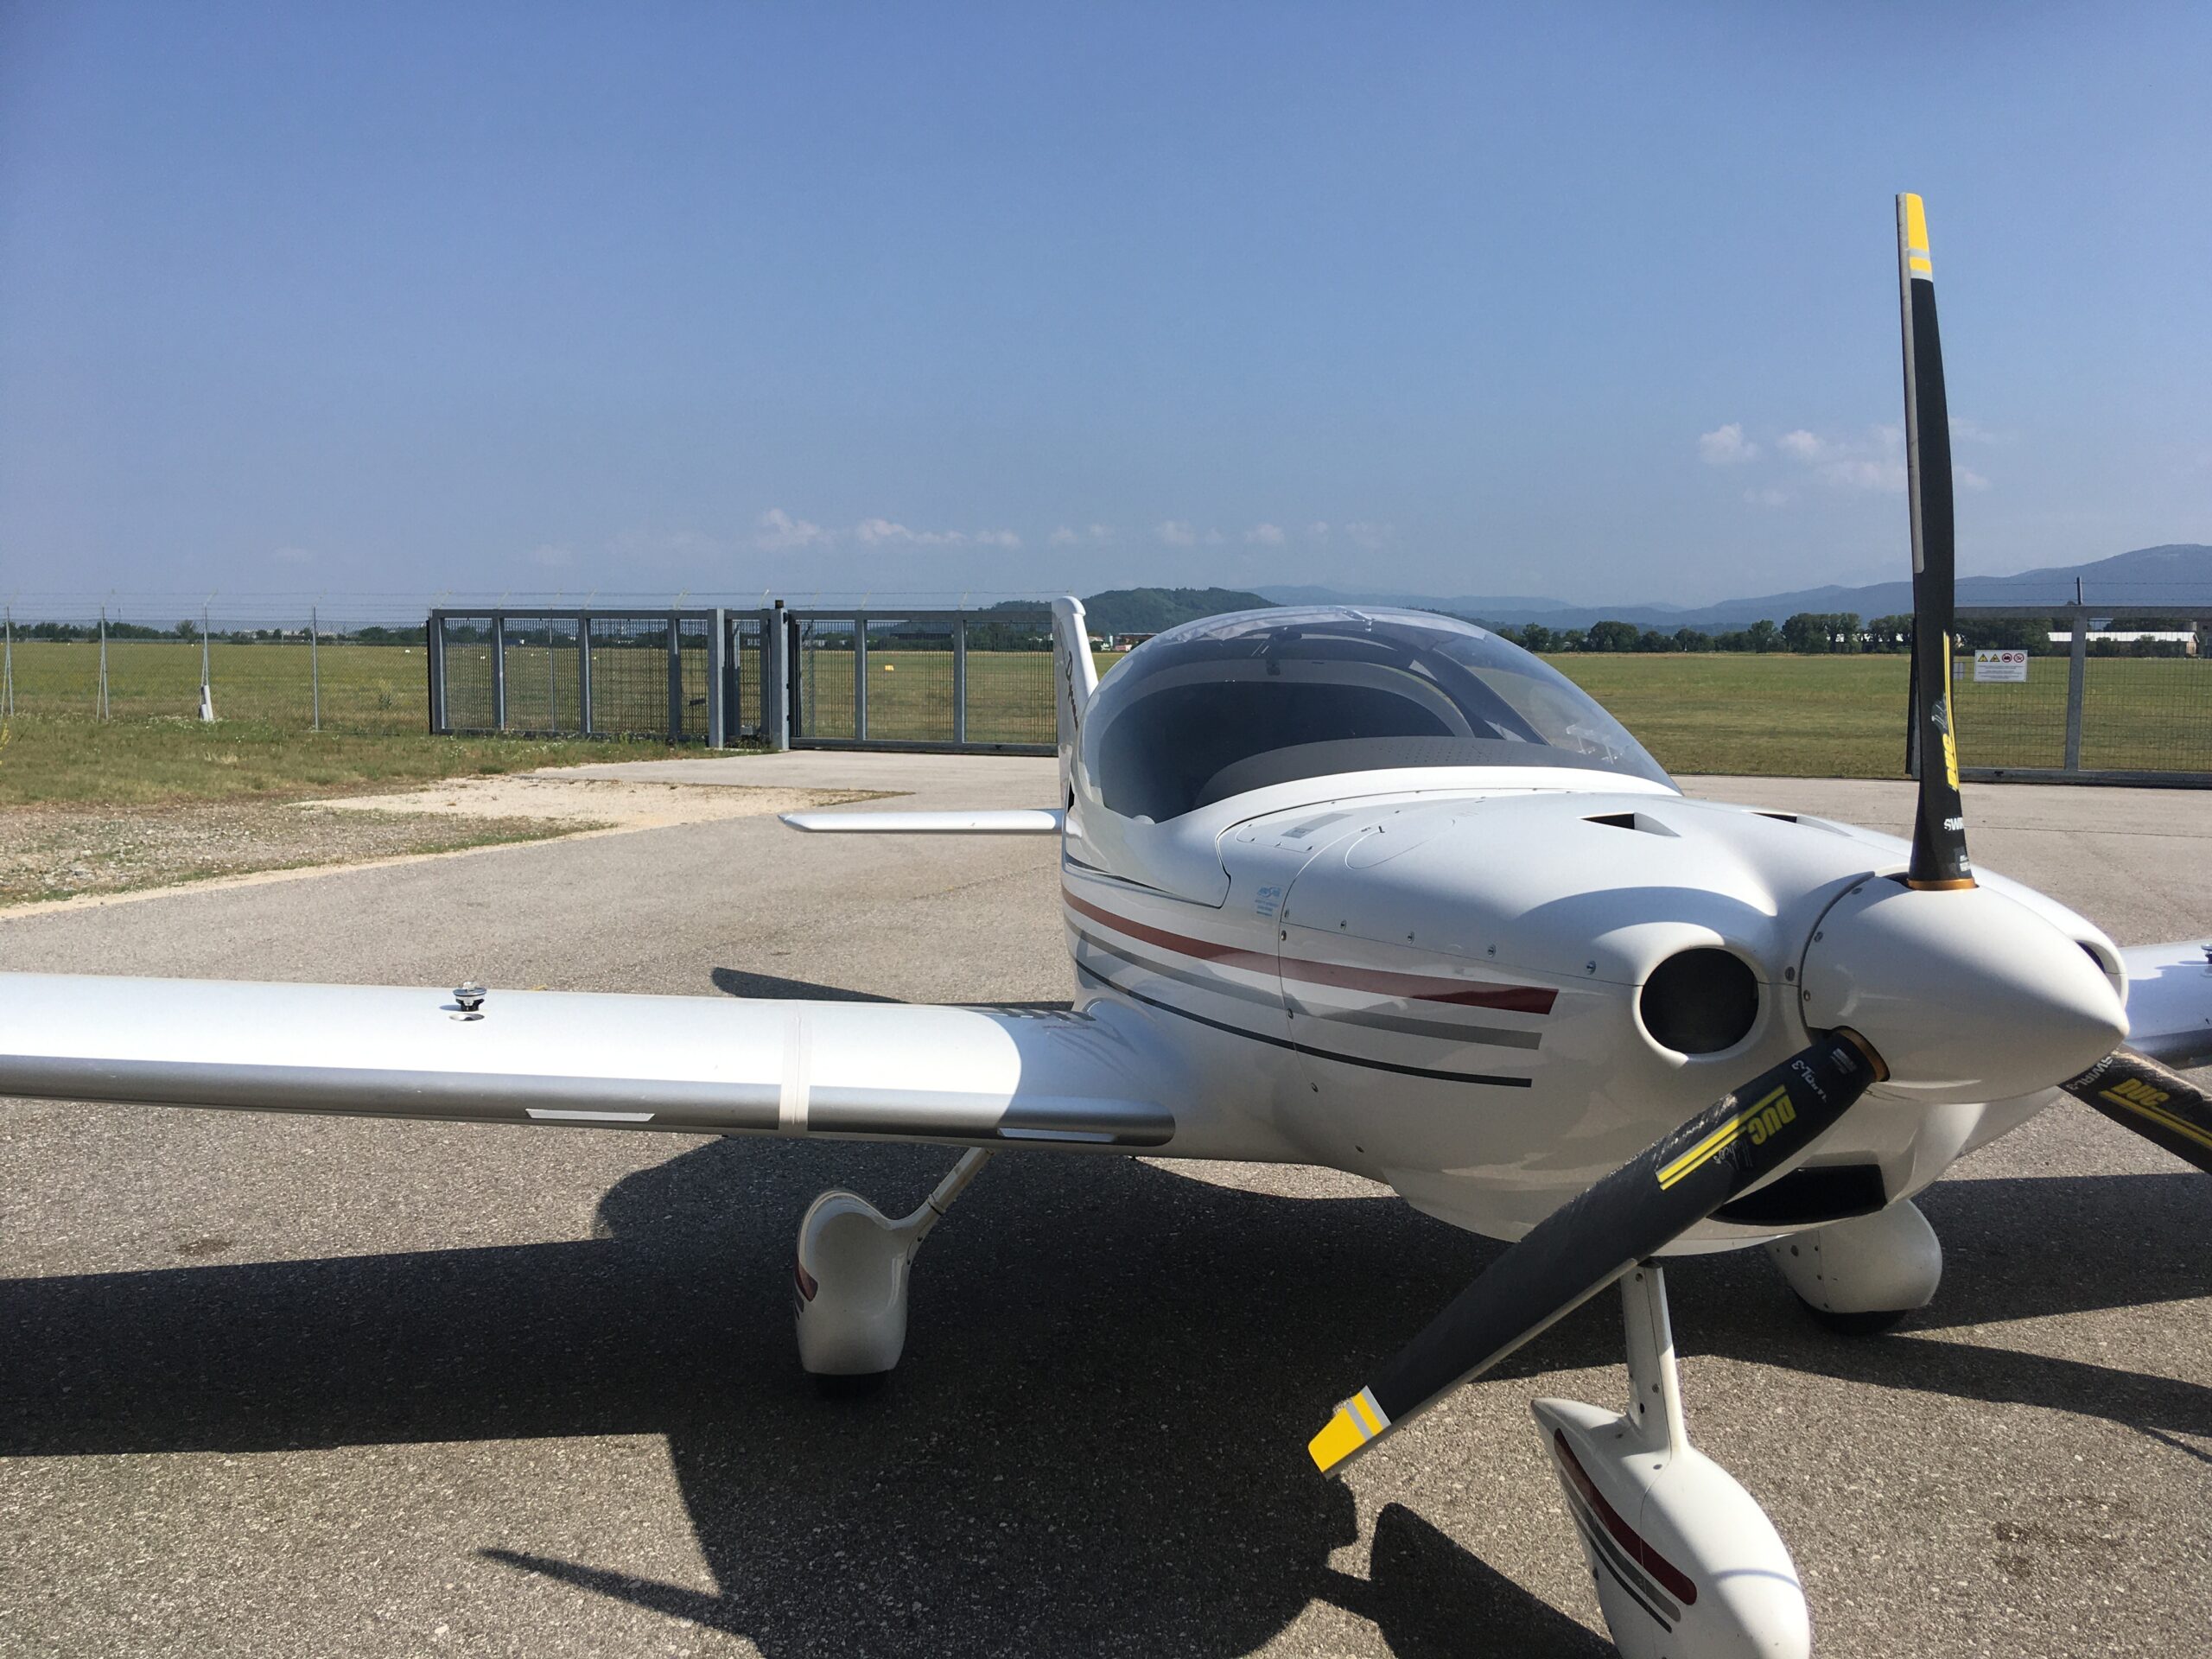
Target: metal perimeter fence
x,y
2076,704
262,661
811,678
2082,707
581,673
921,679
712,676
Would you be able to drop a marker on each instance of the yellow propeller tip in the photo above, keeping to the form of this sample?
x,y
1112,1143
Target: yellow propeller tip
x,y
1358,1420
1335,1443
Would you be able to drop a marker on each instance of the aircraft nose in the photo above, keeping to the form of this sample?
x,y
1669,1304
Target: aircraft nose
x,y
1965,995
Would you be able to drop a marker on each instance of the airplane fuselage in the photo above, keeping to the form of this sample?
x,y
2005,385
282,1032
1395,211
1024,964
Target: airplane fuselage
x,y
1446,985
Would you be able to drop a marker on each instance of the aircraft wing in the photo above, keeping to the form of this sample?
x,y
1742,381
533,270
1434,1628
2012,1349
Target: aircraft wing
x,y
1016,821
706,1065
2169,1002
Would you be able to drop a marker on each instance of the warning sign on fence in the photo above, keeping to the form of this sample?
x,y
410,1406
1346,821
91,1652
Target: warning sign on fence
x,y
2000,665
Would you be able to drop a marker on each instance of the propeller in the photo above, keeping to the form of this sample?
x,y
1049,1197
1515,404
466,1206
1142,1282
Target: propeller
x,y
2155,1101
1635,1212
1961,992
1939,830
2133,1089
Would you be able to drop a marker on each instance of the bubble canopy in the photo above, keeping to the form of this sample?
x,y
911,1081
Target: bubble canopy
x,y
1234,704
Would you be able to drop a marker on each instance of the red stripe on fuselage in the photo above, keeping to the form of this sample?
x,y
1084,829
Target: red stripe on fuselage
x,y
1514,998
1671,1578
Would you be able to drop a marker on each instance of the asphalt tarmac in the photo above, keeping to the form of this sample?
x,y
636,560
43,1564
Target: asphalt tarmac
x,y
285,1386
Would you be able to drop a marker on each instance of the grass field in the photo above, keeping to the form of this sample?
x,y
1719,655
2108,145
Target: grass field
x,y
1719,712
365,687
1844,716
1730,712
59,760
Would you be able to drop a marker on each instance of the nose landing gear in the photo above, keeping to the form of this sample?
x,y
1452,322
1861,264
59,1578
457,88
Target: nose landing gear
x,y
849,1283
1684,1559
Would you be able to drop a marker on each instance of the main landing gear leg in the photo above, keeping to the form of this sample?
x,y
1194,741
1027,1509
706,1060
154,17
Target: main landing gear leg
x,y
1686,1563
1864,1275
850,1291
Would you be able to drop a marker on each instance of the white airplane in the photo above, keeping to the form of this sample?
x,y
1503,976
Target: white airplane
x,y
1374,889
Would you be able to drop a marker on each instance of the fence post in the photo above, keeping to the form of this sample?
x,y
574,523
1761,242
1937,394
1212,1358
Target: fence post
x,y
775,679
674,679
499,671
717,715
103,690
2077,653
583,673
8,665
860,679
960,679
794,692
434,651
314,665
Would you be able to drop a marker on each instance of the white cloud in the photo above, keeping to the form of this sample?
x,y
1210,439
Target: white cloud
x,y
1966,479
874,532
1726,446
1882,474
1176,533
1062,538
1265,535
1768,497
1368,535
1319,530
293,555
885,532
777,530
1875,462
1966,431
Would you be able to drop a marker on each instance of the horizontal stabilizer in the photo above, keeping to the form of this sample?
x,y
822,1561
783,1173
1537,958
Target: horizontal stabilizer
x,y
1019,821
696,1064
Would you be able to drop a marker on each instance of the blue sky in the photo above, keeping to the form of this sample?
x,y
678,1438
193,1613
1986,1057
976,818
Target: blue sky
x,y
1596,302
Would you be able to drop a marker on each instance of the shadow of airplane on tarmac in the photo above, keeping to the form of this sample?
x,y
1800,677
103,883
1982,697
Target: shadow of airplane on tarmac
x,y
1097,1439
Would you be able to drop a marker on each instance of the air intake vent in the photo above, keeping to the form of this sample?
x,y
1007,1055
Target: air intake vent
x,y
1640,822
1700,1001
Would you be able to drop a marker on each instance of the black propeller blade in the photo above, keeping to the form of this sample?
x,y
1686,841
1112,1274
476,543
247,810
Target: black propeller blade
x,y
2131,1089
1585,1245
1939,830
2158,1103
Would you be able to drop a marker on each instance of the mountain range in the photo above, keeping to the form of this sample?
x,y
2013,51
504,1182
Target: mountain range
x,y
1155,610
2177,576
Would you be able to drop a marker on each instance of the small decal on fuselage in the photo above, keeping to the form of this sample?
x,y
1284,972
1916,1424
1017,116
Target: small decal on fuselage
x,y
1267,901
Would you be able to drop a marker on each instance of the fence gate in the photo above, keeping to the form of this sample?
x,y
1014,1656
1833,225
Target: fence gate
x,y
977,681
2099,714
582,673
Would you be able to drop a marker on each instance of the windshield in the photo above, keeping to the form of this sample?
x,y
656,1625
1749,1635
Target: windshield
x,y
1239,702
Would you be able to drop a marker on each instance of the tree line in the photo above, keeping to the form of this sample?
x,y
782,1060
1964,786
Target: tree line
x,y
1826,633
189,632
